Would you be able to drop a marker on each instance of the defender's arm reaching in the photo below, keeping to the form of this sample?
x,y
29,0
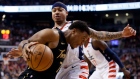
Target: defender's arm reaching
x,y
106,36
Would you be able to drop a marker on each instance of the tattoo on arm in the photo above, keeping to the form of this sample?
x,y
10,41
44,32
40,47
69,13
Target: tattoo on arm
x,y
104,35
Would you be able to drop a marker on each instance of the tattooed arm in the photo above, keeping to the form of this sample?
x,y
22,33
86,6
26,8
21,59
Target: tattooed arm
x,y
104,35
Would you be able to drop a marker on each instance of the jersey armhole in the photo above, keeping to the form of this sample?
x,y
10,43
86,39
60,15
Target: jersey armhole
x,y
94,47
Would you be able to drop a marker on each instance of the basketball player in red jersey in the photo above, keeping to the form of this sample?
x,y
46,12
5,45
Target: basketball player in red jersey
x,y
73,66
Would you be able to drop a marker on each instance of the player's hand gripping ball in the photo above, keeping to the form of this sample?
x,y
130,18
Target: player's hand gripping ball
x,y
41,58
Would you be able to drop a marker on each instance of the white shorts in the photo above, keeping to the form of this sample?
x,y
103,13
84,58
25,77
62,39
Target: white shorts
x,y
78,70
107,72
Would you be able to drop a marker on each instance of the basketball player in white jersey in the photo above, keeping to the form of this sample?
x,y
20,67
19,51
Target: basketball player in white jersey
x,y
74,66
107,63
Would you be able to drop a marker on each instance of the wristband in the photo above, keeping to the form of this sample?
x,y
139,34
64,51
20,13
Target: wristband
x,y
24,45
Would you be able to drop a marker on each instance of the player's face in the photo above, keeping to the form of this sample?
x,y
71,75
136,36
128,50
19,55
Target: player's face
x,y
59,14
78,38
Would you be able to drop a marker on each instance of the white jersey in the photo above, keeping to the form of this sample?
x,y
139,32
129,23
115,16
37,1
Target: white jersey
x,y
72,54
106,68
66,26
95,56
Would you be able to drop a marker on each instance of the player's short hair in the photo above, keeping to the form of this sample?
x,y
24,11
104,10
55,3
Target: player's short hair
x,y
81,25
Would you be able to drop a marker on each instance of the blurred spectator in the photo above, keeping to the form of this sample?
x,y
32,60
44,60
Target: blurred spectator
x,y
5,60
14,68
138,76
49,2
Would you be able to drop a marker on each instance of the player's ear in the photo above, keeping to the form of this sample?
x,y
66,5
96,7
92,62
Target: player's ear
x,y
73,31
67,13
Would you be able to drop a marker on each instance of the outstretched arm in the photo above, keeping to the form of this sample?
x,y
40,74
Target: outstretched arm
x,y
23,47
42,37
106,36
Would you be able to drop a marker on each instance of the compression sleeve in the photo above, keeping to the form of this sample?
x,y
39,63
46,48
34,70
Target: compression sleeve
x,y
114,56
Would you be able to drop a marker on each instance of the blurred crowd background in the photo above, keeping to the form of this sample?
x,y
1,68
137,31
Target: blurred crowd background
x,y
50,2
23,25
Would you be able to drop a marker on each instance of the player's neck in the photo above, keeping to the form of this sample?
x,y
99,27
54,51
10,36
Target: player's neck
x,y
60,24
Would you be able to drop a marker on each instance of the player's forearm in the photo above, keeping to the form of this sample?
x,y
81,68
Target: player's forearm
x,y
114,56
104,35
87,60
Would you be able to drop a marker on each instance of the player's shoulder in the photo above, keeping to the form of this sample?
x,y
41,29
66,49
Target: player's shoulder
x,y
49,30
68,23
94,41
98,43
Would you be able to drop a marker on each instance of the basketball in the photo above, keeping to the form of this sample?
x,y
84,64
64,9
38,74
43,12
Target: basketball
x,y
41,58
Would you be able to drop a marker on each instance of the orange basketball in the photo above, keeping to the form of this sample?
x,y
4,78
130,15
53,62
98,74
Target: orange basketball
x,y
41,59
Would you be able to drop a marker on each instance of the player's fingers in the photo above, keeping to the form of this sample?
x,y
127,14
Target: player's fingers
x,y
27,48
13,49
28,54
9,56
132,31
9,53
32,43
128,25
24,58
29,45
25,53
135,32
35,42
130,28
